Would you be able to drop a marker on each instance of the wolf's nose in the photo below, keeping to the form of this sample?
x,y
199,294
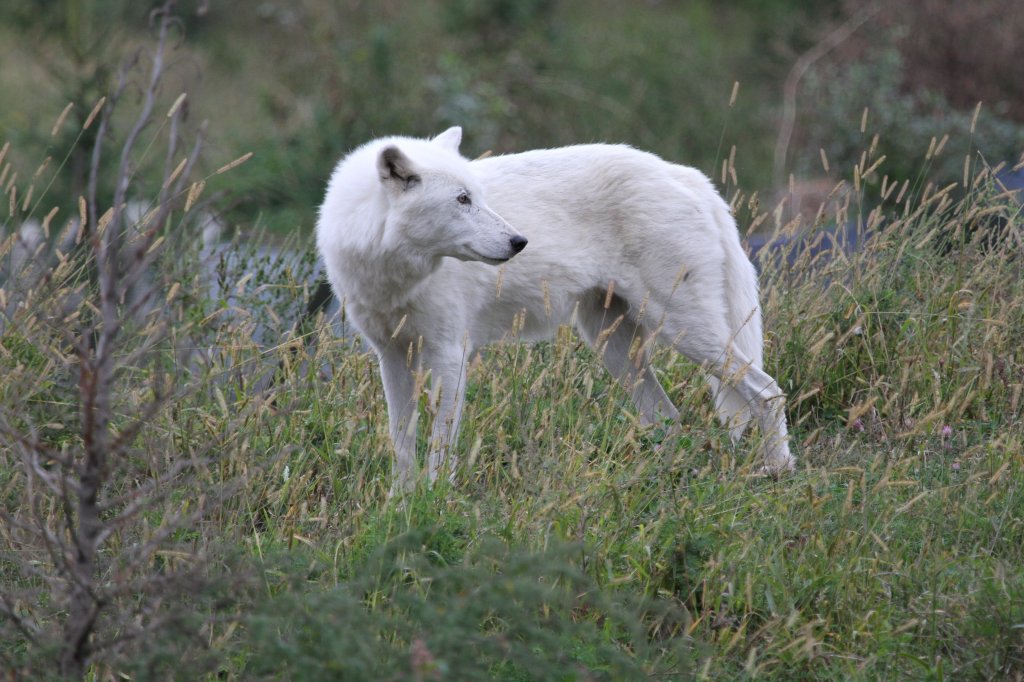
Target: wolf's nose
x,y
518,243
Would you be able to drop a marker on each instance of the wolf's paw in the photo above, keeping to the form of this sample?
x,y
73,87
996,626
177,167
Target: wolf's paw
x,y
778,465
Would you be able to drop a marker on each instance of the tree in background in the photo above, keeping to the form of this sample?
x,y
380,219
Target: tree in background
x,y
917,71
78,43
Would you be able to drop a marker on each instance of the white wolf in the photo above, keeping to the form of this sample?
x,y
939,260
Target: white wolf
x,y
421,245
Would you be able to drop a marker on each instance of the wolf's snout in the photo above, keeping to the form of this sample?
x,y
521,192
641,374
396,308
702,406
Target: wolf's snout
x,y
518,243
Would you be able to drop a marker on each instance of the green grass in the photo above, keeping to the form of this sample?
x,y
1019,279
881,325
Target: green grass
x,y
575,544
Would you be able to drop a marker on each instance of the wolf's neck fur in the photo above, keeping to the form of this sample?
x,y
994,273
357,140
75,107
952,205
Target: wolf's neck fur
x,y
379,280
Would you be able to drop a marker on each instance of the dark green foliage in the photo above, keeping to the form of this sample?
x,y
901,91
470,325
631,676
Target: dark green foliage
x,y
497,613
493,18
995,626
836,96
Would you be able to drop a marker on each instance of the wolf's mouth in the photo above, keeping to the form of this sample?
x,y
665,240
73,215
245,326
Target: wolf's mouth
x,y
494,261
490,260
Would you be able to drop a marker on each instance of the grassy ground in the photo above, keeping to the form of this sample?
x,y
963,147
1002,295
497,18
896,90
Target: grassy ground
x,y
573,544
894,552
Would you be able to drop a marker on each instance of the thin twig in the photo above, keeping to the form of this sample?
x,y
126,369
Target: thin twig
x,y
796,73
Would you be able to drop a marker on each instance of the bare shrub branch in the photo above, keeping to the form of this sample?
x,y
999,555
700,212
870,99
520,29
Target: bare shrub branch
x,y
98,563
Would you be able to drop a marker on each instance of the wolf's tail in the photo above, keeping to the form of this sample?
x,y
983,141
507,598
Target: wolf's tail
x,y
743,311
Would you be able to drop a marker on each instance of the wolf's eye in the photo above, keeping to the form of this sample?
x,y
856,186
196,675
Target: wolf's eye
x,y
464,199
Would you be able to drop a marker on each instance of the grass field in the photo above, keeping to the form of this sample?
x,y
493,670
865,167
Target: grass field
x,y
247,531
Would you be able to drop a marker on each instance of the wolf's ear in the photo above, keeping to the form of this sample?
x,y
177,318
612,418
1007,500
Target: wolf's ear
x,y
450,139
395,166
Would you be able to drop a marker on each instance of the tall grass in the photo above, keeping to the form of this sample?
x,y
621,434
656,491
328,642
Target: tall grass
x,y
574,543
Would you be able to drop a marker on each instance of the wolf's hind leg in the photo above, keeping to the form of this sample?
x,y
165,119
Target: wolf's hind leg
x,y
621,343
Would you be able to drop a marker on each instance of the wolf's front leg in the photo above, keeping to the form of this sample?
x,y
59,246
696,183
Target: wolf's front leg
x,y
448,392
400,390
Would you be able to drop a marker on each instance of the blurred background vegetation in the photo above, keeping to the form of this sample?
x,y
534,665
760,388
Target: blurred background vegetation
x,y
300,82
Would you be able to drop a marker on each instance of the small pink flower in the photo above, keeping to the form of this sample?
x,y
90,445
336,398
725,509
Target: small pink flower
x,y
857,425
424,665
955,465
947,431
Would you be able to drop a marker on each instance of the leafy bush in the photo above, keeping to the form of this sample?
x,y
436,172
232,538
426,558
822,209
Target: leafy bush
x,y
908,123
496,613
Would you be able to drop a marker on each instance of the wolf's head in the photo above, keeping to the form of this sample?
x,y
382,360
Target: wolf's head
x,y
436,205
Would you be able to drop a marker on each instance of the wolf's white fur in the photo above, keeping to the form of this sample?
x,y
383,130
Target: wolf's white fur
x,y
626,246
